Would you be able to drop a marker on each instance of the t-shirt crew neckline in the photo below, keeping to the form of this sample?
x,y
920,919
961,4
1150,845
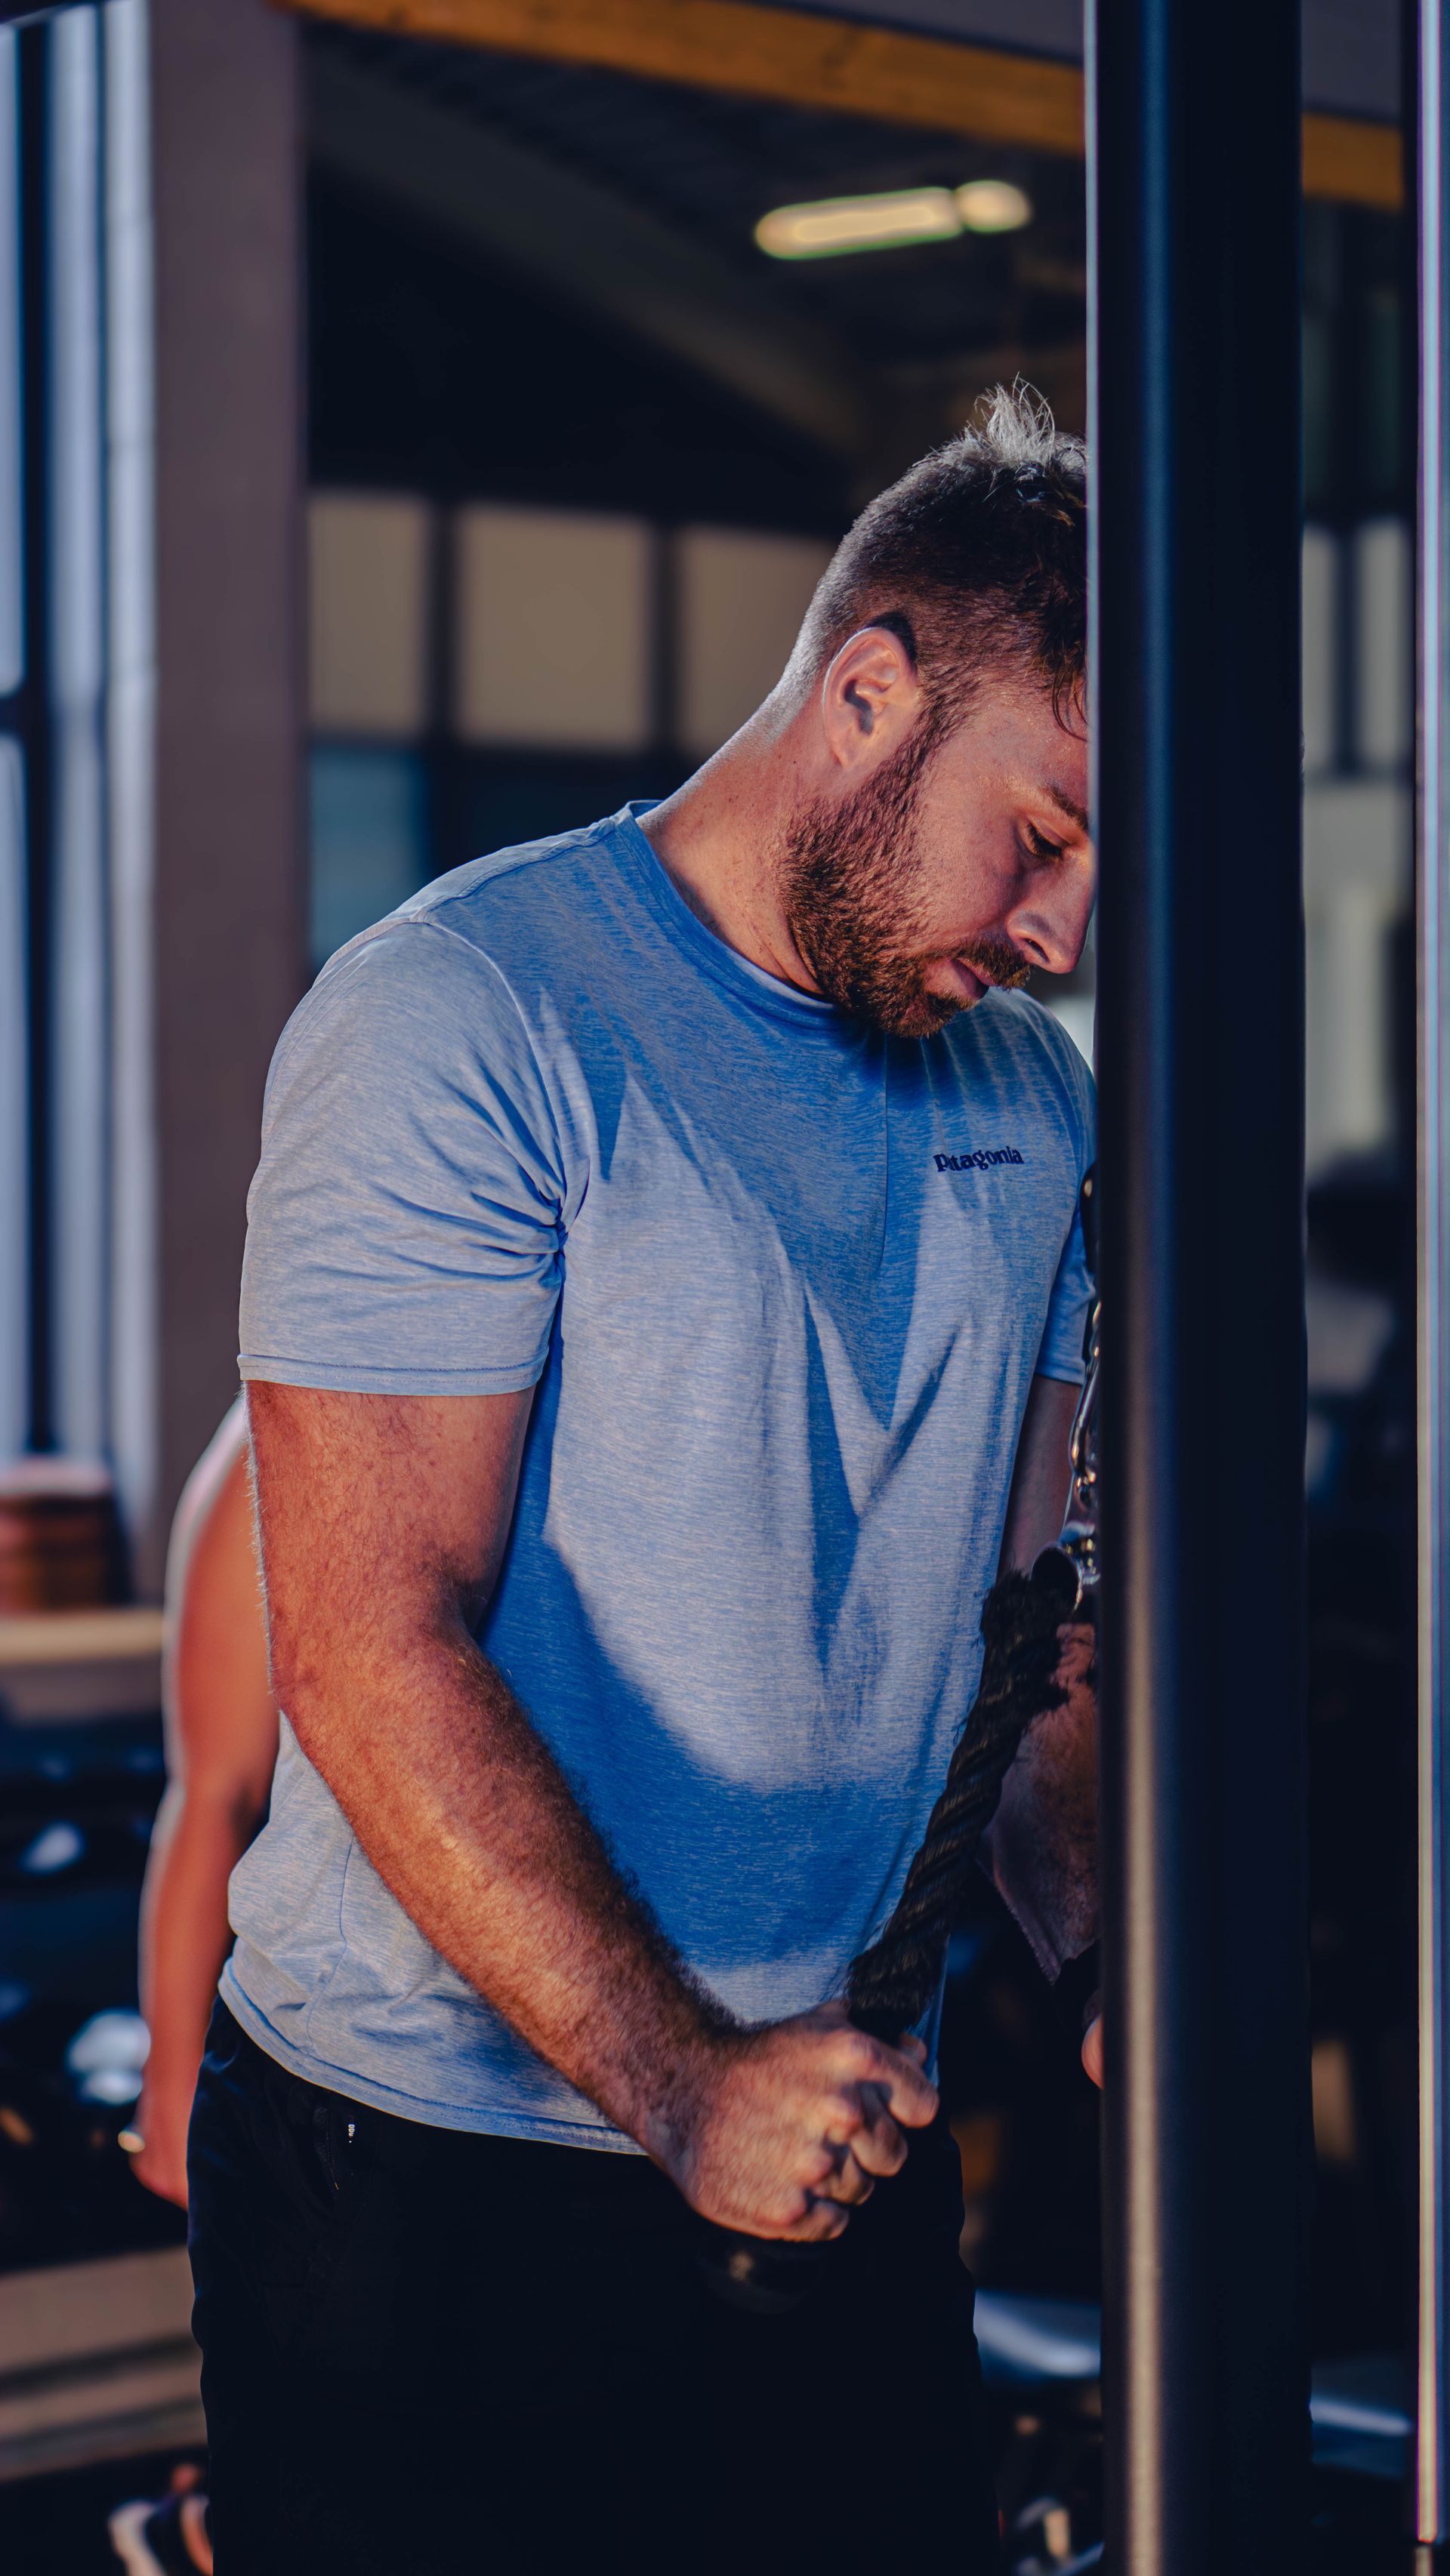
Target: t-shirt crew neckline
x,y
750,983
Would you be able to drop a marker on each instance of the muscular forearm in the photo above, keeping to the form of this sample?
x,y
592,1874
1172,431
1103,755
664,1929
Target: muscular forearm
x,y
466,1816
383,1524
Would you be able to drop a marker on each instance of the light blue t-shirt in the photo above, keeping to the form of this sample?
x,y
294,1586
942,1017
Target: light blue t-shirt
x,y
782,1284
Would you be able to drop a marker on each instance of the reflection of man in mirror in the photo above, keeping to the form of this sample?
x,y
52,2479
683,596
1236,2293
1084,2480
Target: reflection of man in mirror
x,y
663,1313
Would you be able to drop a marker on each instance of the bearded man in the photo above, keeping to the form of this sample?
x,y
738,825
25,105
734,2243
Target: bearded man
x,y
663,1314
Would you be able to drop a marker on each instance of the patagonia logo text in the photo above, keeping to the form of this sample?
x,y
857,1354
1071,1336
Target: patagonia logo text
x,y
981,1161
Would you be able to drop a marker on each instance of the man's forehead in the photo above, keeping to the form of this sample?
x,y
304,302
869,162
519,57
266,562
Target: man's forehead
x,y
1049,755
1068,804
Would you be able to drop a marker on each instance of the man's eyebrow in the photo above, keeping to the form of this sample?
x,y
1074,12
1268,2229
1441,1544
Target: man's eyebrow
x,y
1075,813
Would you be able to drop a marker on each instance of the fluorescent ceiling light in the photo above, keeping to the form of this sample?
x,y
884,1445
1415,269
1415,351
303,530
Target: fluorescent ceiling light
x,y
993,206
835,224
887,221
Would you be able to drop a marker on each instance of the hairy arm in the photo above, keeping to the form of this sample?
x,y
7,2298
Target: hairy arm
x,y
221,1747
383,1522
1042,1850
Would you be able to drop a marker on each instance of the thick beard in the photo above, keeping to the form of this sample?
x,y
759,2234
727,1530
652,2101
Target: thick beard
x,y
849,887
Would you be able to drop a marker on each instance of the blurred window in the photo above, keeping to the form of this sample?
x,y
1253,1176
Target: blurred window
x,y
370,605
554,633
740,598
1321,655
370,837
513,671
1381,553
1358,739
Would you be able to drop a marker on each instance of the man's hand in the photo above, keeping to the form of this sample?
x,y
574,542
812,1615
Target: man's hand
x,y
790,2126
161,2117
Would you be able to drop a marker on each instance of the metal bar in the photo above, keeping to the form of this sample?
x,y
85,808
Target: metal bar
x,y
34,70
14,868
1432,2507
1195,340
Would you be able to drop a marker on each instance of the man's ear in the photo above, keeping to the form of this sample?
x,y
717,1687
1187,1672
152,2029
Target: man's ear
x,y
870,698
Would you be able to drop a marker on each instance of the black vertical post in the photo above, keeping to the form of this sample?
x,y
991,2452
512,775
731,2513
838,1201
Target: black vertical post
x,y
34,710
1194,152
1432,836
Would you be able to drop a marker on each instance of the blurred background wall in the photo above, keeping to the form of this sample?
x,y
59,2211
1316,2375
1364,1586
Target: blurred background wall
x,y
417,445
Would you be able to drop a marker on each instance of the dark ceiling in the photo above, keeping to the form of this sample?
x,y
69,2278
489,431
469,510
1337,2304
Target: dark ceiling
x,y
541,279
709,165
901,341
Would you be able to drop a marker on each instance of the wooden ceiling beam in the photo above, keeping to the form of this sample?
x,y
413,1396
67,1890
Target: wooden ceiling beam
x,y
838,64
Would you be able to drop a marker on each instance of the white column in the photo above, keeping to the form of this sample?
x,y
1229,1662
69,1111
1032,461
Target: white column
x,y
79,1072
130,750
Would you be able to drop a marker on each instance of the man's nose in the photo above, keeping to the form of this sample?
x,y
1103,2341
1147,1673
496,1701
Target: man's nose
x,y
1050,923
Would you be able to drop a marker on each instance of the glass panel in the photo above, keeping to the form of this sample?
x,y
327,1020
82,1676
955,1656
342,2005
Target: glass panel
x,y
368,613
1384,680
14,1112
370,839
1321,580
555,615
741,598
496,799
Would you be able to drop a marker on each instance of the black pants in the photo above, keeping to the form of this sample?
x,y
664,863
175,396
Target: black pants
x,y
428,2351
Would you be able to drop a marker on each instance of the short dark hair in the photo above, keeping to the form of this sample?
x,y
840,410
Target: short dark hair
x,y
977,559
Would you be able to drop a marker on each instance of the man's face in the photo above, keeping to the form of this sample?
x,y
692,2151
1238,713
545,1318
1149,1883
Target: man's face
x,y
948,868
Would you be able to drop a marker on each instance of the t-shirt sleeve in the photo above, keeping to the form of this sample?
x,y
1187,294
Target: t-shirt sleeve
x,y
405,1227
1061,1352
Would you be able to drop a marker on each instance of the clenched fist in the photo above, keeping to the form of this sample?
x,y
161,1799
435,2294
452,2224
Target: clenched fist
x,y
784,2129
